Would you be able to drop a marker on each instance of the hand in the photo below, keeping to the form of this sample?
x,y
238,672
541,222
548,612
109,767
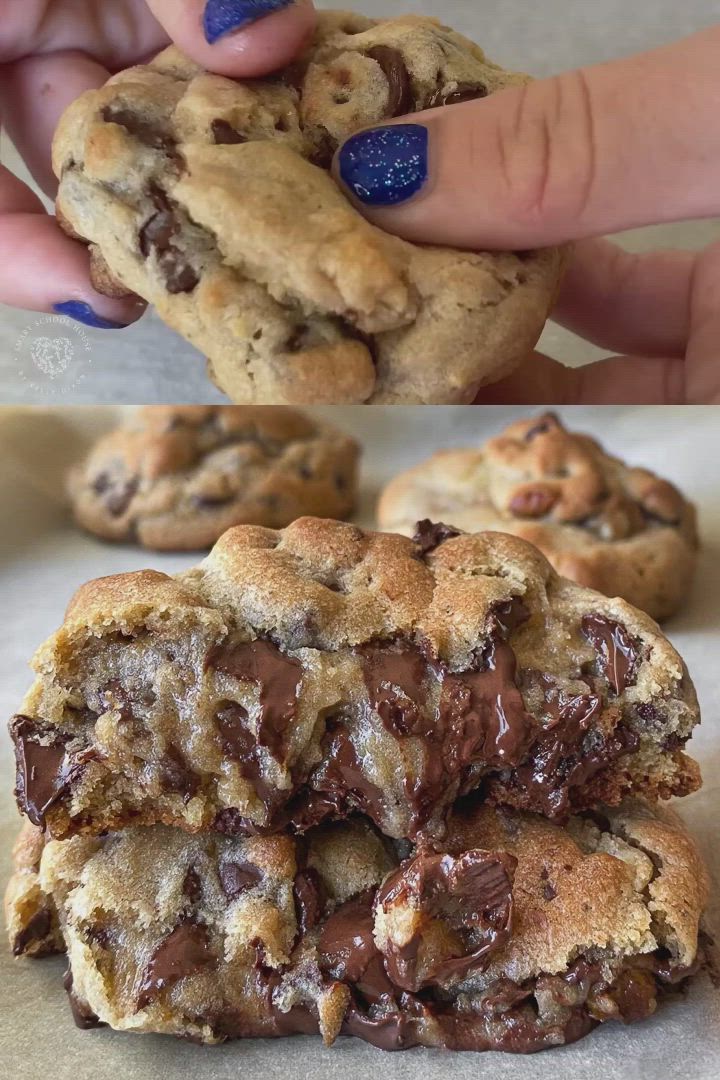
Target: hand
x,y
630,143
53,50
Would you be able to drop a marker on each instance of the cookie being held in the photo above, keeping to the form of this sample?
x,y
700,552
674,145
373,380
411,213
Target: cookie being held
x,y
177,477
602,523
213,200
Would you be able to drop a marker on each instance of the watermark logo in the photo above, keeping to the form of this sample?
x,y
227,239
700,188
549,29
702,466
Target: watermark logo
x,y
53,355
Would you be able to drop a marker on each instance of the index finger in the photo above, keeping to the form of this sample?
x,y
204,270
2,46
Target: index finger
x,y
239,38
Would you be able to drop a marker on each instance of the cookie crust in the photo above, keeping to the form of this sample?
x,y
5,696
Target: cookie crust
x,y
213,200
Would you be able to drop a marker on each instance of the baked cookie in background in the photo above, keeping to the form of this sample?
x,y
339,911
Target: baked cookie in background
x,y
602,523
213,200
175,478
323,671
516,934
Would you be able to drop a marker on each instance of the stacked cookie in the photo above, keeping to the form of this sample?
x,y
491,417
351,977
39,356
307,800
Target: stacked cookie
x,y
352,783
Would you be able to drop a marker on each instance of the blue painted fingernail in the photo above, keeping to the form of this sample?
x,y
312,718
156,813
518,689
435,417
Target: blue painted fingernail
x,y
83,313
224,16
386,166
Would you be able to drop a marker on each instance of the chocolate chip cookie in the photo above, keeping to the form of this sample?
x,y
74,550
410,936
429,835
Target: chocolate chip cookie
x,y
312,673
518,936
213,200
610,526
177,477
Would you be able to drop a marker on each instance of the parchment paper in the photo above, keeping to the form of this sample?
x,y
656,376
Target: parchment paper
x,y
42,560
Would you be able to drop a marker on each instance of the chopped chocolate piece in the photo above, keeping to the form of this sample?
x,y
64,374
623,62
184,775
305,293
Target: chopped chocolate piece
x,y
224,134
236,878
309,899
534,501
33,933
240,745
471,893
324,151
278,677
84,1017
42,771
617,652
430,535
157,235
143,130
211,502
343,780
463,92
400,90
192,886
118,500
185,951
175,776
395,678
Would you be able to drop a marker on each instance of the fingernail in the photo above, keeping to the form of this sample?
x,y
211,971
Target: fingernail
x,y
386,166
224,16
83,313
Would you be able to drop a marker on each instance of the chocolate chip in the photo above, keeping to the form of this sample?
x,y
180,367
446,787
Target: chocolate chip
x,y
237,877
324,150
279,678
430,535
347,947
157,234
343,780
176,776
617,651
548,422
184,952
84,1017
535,501
463,92
394,677
143,130
401,99
224,134
42,771
119,499
309,896
33,933
211,502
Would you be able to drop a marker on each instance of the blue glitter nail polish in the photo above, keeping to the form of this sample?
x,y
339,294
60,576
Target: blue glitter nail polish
x,y
386,166
83,313
224,16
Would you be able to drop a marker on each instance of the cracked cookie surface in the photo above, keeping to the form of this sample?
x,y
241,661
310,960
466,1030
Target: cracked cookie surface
x,y
177,477
538,933
605,524
213,200
323,670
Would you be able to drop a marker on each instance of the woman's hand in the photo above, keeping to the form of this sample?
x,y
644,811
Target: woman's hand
x,y
630,143
51,51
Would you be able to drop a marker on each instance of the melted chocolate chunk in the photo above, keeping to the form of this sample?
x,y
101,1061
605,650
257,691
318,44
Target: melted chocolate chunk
x,y
463,92
395,678
84,1017
176,776
400,90
534,502
237,878
158,235
347,949
430,535
43,775
224,134
546,423
471,893
185,951
35,931
341,779
211,502
279,678
118,499
143,130
309,897
618,653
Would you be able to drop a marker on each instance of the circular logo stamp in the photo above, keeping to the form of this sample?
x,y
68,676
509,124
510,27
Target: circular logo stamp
x,y
53,354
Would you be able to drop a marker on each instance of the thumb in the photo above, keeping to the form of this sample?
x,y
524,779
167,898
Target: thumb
x,y
611,147
240,38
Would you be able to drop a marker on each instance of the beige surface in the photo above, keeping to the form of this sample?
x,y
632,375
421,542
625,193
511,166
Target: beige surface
x,y
42,561
150,363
